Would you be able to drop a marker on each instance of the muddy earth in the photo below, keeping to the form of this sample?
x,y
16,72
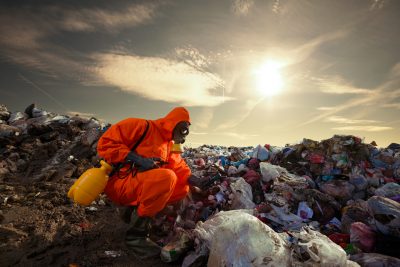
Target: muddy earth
x,y
41,227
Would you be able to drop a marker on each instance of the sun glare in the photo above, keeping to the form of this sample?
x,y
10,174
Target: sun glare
x,y
268,77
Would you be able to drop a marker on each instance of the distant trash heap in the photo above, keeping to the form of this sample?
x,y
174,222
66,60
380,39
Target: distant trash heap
x,y
328,203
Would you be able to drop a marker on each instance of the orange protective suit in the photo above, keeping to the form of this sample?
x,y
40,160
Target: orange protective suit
x,y
149,190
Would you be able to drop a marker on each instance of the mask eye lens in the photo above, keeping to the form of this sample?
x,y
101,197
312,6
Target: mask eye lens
x,y
185,131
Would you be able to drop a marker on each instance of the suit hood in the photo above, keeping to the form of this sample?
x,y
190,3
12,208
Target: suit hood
x,y
168,123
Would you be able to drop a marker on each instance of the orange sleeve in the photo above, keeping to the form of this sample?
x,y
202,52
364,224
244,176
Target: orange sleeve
x,y
115,144
179,166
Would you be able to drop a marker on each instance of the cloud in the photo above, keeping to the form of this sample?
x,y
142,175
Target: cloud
x,y
392,105
95,19
336,85
242,7
198,133
25,33
192,57
160,79
204,118
305,50
325,108
337,119
276,8
365,100
241,136
288,57
365,128
380,97
377,4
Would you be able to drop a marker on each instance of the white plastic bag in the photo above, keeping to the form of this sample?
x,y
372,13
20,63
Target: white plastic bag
x,y
321,250
236,238
270,172
243,197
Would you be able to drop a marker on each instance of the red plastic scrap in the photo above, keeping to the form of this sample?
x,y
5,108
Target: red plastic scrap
x,y
340,238
84,225
316,158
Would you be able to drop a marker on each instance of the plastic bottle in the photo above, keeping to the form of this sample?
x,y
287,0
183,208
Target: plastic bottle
x,y
90,184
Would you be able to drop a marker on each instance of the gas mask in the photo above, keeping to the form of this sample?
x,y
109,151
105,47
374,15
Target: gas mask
x,y
180,132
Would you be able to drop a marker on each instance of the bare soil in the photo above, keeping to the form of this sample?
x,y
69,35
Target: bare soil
x,y
40,226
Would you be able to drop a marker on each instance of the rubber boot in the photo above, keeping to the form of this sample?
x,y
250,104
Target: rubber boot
x,y
126,214
137,240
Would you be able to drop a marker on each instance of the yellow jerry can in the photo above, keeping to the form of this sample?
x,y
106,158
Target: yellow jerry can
x,y
90,184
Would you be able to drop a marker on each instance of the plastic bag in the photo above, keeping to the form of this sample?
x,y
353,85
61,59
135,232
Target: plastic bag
x,y
304,211
375,260
236,238
388,190
261,153
359,181
339,189
357,212
386,215
316,249
363,236
269,172
243,196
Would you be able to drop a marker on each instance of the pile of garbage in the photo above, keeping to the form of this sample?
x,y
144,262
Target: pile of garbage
x,y
338,195
330,203
44,146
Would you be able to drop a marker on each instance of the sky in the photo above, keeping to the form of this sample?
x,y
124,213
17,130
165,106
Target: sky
x,y
249,71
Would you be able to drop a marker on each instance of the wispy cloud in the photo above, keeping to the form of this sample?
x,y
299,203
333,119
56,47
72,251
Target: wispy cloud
x,y
276,7
161,79
240,136
377,4
192,57
325,108
305,50
204,118
336,85
25,33
392,105
95,19
242,7
365,128
380,96
366,99
198,133
337,119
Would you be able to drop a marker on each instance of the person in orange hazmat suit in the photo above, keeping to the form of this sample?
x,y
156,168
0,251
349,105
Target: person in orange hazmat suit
x,y
151,176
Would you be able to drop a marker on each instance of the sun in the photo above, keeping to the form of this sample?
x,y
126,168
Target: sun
x,y
268,77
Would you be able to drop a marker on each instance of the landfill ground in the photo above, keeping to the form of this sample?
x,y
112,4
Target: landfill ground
x,y
334,202
39,227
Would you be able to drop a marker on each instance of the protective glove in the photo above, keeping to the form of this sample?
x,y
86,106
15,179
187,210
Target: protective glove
x,y
199,182
141,163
